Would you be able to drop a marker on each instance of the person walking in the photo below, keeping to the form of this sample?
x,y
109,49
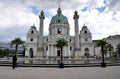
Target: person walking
x,y
14,64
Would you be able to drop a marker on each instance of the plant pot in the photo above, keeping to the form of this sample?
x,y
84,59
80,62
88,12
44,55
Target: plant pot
x,y
103,64
61,65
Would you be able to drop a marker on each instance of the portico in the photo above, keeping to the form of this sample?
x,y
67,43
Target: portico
x,y
55,52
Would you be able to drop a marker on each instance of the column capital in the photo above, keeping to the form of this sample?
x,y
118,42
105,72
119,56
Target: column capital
x,y
76,16
42,16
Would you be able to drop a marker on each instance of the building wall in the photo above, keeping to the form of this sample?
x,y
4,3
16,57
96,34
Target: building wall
x,y
59,28
50,48
89,46
114,41
34,47
32,41
62,28
86,41
49,41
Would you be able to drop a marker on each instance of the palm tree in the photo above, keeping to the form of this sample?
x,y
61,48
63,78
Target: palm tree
x,y
102,44
17,42
110,48
60,44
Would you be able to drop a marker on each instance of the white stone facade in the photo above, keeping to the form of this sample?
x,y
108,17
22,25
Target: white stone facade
x,y
39,45
114,41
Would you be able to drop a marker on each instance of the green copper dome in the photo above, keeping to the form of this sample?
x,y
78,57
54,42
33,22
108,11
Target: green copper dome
x,y
33,26
59,18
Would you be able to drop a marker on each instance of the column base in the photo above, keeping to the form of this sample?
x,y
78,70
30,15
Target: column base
x,y
77,52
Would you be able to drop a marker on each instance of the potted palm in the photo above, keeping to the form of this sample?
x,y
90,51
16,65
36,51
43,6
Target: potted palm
x,y
60,44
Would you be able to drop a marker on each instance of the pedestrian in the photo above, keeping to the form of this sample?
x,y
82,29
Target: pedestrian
x,y
14,60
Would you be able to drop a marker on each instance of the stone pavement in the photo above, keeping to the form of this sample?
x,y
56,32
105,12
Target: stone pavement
x,y
110,72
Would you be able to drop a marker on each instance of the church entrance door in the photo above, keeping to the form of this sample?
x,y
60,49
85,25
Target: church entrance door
x,y
87,53
31,53
58,52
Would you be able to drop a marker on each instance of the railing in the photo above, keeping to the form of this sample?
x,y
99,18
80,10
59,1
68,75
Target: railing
x,y
57,61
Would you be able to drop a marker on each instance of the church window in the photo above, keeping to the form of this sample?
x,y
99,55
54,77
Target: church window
x,y
58,21
86,52
59,31
46,48
31,40
86,40
32,31
70,48
58,52
70,40
85,31
67,31
31,52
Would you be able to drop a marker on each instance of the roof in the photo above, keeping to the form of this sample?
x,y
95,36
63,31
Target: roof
x,y
59,18
33,26
113,37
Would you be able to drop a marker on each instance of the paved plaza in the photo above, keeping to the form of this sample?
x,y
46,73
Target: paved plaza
x,y
111,72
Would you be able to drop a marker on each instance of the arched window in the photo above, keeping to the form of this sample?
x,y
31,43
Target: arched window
x,y
32,31
59,30
58,21
47,48
86,52
86,39
70,40
58,52
31,52
70,48
85,31
31,40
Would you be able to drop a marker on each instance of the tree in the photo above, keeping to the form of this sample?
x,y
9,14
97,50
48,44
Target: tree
x,y
114,55
102,44
6,52
1,53
105,48
60,44
110,49
17,42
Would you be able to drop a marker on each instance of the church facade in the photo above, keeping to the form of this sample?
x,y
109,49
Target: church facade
x,y
39,45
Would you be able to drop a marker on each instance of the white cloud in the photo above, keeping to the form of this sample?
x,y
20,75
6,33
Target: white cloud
x,y
114,5
16,17
95,4
14,21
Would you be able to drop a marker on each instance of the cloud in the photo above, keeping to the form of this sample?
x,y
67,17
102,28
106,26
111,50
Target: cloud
x,y
14,20
101,16
114,5
92,4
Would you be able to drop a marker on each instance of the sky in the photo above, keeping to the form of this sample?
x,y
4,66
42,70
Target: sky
x,y
102,17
